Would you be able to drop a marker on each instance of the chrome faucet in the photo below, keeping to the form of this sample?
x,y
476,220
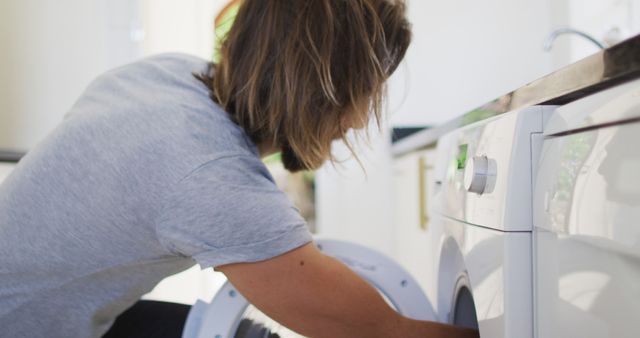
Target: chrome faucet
x,y
548,44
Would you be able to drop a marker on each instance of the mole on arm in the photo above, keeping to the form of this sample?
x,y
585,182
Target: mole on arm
x,y
301,263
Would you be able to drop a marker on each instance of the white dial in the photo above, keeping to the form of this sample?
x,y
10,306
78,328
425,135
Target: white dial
x,y
479,175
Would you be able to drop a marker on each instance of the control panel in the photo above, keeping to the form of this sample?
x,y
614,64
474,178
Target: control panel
x,y
485,169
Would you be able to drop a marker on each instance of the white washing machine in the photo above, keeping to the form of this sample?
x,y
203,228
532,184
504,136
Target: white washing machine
x,y
481,224
534,225
587,218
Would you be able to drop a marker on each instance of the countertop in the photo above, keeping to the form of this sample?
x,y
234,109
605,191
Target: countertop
x,y
10,156
617,64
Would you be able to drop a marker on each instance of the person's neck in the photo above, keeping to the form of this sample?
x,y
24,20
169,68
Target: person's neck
x,y
267,148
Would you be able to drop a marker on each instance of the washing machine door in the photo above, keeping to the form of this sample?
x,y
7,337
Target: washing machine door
x,y
230,315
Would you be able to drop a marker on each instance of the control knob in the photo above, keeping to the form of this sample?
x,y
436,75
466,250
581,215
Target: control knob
x,y
479,175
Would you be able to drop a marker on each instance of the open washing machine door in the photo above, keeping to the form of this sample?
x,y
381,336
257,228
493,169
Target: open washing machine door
x,y
227,315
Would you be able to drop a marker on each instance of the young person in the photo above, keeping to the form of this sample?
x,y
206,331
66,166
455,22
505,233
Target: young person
x,y
157,167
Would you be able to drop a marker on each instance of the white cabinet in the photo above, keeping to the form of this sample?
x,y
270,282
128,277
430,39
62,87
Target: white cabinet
x,y
5,170
413,184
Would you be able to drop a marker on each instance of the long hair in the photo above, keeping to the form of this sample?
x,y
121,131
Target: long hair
x,y
300,73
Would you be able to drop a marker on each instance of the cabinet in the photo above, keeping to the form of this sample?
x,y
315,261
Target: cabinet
x,y
413,186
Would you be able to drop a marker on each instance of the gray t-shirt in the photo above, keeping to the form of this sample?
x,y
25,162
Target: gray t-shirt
x,y
145,177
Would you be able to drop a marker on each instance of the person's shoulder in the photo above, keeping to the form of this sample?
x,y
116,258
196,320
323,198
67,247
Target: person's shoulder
x,y
236,168
167,73
174,58
177,63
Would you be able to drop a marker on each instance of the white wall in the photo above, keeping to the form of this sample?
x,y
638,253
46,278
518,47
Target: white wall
x,y
606,20
355,205
50,51
465,53
180,26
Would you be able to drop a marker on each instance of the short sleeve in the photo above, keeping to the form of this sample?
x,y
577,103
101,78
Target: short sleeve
x,y
227,211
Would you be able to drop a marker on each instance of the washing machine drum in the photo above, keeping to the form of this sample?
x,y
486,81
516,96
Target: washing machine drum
x,y
230,315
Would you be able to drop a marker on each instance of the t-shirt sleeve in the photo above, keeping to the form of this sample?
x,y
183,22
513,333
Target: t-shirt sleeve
x,y
229,210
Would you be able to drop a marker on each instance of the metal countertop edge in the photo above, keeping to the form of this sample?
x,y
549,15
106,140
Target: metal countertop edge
x,y
612,66
10,156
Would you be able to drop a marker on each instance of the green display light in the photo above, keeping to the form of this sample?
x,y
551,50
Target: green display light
x,y
462,156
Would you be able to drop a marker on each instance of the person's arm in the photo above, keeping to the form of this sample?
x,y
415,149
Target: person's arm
x,y
318,296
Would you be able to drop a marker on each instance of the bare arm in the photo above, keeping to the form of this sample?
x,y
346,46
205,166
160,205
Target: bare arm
x,y
318,296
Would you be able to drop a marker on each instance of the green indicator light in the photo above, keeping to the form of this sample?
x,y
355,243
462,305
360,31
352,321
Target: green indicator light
x,y
462,156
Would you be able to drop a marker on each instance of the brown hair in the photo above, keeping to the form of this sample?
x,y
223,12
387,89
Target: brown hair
x,y
301,73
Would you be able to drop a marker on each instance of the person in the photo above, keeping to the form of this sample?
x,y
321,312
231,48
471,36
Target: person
x,y
157,167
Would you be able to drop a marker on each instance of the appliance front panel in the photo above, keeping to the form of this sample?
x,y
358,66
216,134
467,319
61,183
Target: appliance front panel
x,y
586,211
497,268
483,171
612,106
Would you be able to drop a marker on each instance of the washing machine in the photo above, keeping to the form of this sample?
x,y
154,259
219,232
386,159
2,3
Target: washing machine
x,y
586,215
229,314
481,224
